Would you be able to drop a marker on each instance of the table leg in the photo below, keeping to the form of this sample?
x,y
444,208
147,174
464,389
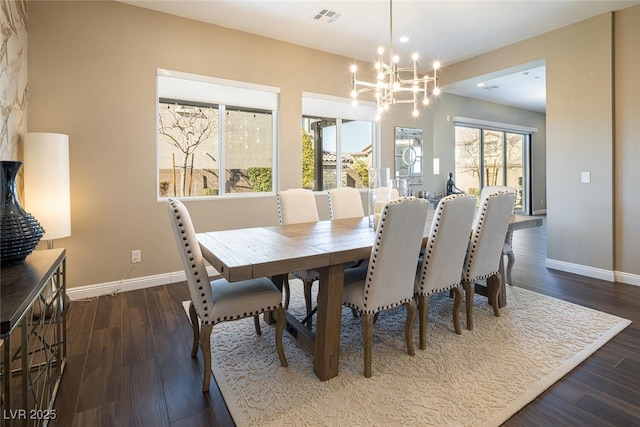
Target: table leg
x,y
327,345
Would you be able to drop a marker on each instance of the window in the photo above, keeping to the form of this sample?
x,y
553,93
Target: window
x,y
215,137
338,143
488,155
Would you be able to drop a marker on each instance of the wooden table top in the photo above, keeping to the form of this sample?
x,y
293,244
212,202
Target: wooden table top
x,y
268,251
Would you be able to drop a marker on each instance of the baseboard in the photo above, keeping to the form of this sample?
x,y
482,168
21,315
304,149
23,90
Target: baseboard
x,y
583,270
628,278
112,288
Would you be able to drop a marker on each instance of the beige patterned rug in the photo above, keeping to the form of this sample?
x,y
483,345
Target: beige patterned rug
x,y
479,378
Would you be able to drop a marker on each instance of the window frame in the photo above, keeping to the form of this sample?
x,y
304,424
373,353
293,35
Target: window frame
x,y
505,128
316,105
222,93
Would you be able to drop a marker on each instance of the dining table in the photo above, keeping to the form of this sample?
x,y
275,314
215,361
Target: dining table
x,y
325,246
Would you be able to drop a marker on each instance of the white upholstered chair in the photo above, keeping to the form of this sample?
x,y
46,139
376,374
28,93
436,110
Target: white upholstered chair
x,y
219,301
388,280
444,256
345,202
485,249
295,206
507,249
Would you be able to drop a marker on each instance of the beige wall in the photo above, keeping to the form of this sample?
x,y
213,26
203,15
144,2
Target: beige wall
x,y
448,106
92,76
92,69
580,138
627,143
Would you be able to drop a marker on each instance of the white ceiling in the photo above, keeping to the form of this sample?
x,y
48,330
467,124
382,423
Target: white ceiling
x,y
448,31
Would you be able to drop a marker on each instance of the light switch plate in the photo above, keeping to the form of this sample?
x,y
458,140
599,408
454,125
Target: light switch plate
x,y
585,177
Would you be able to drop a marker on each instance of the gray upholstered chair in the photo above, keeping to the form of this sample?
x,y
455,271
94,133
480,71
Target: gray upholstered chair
x,y
507,249
444,256
296,206
485,249
388,280
345,202
219,301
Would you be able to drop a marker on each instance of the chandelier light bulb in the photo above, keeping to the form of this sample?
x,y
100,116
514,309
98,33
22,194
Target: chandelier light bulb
x,y
396,84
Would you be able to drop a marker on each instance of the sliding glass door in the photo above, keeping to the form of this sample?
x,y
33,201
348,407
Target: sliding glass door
x,y
491,157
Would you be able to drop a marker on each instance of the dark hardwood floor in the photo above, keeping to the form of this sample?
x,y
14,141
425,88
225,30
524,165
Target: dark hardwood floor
x,y
129,357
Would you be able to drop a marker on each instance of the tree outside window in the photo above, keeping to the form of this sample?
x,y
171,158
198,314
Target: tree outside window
x,y
197,141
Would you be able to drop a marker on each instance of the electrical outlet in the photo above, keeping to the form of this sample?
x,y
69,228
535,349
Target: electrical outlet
x,y
136,256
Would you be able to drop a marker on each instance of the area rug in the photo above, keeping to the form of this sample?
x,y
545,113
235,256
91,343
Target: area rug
x,y
479,378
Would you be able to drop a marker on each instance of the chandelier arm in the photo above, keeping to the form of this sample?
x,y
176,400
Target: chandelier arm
x,y
389,83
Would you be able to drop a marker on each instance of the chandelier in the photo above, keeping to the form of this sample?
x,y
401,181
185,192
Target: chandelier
x,y
395,84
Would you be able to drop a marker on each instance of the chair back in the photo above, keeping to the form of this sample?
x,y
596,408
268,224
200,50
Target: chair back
x,y
296,206
394,256
490,189
487,236
447,244
345,202
192,259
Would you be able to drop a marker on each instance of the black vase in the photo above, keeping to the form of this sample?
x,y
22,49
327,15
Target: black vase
x,y
19,231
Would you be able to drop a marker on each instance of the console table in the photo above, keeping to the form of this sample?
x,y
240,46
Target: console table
x,y
33,336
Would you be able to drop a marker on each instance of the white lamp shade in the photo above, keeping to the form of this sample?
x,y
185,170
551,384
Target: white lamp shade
x,y
46,182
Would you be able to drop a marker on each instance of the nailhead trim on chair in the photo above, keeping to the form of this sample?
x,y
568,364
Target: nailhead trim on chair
x,y
429,250
250,314
204,317
473,246
372,267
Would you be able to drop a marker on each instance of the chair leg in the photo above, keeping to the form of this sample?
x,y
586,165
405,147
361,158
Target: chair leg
x,y
469,291
511,259
494,286
205,344
195,326
456,308
408,326
423,311
367,338
280,325
307,300
287,292
256,323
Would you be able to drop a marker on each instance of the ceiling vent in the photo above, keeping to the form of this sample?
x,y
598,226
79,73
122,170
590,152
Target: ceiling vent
x,y
326,15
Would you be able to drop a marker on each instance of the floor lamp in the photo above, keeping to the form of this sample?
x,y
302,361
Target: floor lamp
x,y
46,183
